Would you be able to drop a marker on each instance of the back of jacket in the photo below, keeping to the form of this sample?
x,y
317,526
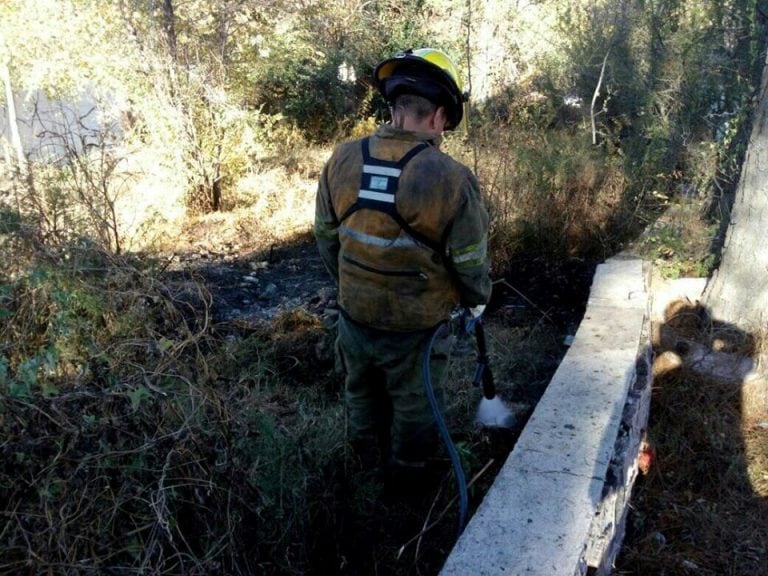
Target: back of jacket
x,y
388,279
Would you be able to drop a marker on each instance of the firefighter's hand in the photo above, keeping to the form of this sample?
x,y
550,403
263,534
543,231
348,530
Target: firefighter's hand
x,y
473,315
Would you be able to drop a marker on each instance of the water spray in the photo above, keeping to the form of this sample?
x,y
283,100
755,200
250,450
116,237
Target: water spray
x,y
492,412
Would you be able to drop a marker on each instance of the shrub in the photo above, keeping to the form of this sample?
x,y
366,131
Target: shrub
x,y
160,444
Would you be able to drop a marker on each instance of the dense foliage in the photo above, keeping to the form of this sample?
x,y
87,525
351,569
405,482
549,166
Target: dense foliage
x,y
208,86
140,436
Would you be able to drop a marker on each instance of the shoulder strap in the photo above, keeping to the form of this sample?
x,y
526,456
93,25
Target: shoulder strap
x,y
378,189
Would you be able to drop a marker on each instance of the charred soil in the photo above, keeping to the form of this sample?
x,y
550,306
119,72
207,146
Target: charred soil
x,y
284,295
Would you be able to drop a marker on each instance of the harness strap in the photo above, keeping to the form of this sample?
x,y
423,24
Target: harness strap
x,y
378,189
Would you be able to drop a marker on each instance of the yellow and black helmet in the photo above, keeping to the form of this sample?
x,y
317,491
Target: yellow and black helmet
x,y
426,72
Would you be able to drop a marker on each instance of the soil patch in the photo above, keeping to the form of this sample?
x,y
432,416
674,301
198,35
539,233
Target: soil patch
x,y
281,290
262,284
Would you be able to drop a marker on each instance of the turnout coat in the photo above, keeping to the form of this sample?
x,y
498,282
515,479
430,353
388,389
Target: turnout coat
x,y
402,229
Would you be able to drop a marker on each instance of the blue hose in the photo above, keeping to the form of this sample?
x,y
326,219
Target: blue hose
x,y
461,480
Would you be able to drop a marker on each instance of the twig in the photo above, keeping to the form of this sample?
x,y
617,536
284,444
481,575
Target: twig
x,y
524,297
167,263
444,511
40,410
11,514
468,110
159,504
595,95
426,523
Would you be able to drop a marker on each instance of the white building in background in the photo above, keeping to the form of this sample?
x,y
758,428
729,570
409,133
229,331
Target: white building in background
x,y
143,190
48,126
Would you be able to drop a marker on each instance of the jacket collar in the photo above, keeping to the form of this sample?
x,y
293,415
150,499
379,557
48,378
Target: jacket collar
x,y
390,132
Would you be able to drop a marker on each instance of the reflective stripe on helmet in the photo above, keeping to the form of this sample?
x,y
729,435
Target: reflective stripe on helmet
x,y
442,61
436,58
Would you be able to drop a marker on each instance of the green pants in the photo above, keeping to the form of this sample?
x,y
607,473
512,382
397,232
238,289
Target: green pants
x,y
388,411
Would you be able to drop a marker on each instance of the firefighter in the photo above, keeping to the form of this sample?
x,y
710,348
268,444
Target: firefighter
x,y
402,229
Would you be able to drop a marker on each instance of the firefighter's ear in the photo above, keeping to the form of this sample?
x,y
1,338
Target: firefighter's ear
x,y
439,118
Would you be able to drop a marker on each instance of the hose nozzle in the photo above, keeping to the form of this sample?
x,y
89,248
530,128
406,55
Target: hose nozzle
x,y
483,374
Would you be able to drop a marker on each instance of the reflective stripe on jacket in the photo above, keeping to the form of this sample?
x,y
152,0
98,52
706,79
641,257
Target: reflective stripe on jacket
x,y
390,279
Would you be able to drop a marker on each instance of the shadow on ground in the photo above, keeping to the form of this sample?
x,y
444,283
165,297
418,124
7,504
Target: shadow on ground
x,y
701,506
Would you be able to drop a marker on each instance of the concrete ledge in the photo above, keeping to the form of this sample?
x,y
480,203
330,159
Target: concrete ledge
x,y
537,518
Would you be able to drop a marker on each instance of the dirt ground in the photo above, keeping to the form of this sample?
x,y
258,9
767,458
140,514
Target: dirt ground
x,y
535,308
261,283
533,312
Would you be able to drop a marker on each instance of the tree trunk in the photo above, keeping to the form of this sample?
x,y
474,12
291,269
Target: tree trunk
x,y
169,27
738,291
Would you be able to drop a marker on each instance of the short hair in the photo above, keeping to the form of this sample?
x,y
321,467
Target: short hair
x,y
414,105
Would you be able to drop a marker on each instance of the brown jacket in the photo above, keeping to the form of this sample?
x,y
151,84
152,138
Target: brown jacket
x,y
389,279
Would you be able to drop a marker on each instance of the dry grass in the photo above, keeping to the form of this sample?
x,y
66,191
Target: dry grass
x,y
702,507
548,192
270,206
679,242
139,437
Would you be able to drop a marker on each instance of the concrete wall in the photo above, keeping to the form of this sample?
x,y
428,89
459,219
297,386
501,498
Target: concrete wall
x,y
558,505
44,123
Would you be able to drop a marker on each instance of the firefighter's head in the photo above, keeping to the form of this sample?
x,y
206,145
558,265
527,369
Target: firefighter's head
x,y
425,72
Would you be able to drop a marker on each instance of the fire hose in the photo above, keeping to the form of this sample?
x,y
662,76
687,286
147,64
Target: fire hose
x,y
484,376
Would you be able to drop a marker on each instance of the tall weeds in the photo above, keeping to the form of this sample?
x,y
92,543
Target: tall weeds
x,y
139,437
